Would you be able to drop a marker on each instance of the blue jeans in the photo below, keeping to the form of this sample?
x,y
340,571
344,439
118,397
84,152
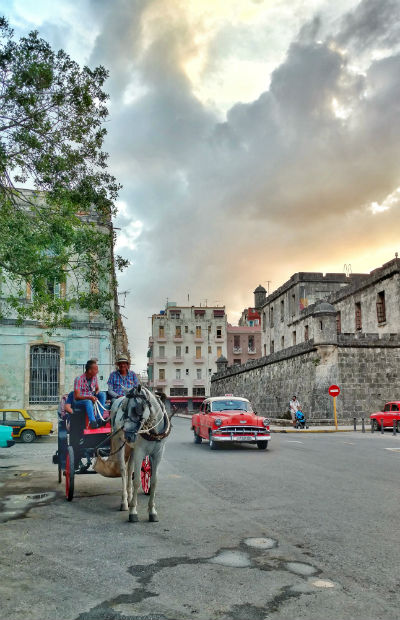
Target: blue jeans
x,y
88,407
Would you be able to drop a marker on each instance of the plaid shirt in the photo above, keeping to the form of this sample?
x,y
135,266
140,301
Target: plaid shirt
x,y
86,387
118,383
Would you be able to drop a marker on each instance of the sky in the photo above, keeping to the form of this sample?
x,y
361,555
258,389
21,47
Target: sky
x,y
253,139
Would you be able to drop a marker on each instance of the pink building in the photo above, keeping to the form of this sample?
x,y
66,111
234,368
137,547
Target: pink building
x,y
243,343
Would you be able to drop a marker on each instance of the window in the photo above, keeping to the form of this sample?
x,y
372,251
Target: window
x,y
209,371
395,407
236,342
293,304
321,326
271,317
380,307
293,338
251,344
13,416
357,309
198,331
187,372
161,333
186,349
199,391
339,322
181,391
198,353
161,351
386,407
219,352
265,348
178,331
178,373
238,361
283,342
175,314
198,373
209,348
306,336
178,351
282,310
219,332
186,329
272,347
44,374
161,374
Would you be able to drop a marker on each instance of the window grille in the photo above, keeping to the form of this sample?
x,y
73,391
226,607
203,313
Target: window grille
x,y
44,377
380,307
358,316
339,323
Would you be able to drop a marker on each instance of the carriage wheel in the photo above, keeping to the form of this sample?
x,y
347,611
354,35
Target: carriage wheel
x,y
145,475
69,474
59,473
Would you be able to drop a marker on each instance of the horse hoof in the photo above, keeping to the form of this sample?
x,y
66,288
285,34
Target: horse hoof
x,y
123,508
153,518
133,518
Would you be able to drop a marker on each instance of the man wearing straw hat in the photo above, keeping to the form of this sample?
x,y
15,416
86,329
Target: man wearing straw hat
x,y
87,392
122,380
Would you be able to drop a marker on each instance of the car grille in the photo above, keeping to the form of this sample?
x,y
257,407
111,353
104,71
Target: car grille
x,y
241,430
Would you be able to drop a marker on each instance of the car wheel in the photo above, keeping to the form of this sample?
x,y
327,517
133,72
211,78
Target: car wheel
x,y
70,474
262,445
375,425
28,436
213,444
197,438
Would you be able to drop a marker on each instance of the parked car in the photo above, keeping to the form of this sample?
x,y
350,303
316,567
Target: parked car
x,y
6,440
24,426
390,412
229,419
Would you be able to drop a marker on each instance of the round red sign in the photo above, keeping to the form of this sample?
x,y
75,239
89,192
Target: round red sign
x,y
334,390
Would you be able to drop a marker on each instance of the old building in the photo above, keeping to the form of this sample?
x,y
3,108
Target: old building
x,y
185,344
321,330
38,366
243,343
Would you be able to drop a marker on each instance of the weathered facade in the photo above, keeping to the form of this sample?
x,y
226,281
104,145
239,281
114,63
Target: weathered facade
x,y
333,347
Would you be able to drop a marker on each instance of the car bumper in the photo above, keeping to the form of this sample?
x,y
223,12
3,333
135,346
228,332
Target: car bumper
x,y
251,437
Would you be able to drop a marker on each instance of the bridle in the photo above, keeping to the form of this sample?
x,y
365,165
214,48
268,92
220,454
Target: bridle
x,y
139,399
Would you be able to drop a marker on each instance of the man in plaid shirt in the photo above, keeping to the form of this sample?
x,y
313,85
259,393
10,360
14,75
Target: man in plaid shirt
x,y
122,380
87,392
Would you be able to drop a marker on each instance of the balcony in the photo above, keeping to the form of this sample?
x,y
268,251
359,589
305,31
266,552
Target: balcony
x,y
219,339
160,382
178,339
150,361
251,351
177,360
199,382
178,382
199,360
237,350
151,340
161,339
198,339
160,360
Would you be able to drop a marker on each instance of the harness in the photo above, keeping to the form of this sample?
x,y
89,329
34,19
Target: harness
x,y
150,435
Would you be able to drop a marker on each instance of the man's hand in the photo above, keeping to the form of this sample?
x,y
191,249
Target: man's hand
x,y
93,398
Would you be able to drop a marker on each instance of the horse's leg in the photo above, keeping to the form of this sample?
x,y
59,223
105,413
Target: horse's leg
x,y
130,464
122,466
155,461
137,460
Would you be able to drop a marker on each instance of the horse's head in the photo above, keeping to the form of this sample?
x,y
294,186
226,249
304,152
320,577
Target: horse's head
x,y
136,411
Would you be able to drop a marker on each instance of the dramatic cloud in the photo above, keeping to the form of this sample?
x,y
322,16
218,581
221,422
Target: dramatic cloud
x,y
251,143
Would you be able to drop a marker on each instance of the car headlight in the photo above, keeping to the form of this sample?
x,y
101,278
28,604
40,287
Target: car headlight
x,y
266,422
217,421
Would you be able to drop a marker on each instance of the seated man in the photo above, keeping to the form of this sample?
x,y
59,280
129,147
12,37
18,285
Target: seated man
x,y
122,380
87,392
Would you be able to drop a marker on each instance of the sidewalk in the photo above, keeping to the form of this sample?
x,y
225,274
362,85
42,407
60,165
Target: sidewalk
x,y
315,429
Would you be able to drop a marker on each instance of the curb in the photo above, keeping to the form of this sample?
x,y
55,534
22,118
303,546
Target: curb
x,y
312,430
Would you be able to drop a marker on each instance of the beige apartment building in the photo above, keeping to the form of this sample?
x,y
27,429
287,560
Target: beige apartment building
x,y
184,346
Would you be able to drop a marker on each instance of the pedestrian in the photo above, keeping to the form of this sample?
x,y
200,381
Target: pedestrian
x,y
122,380
87,392
294,407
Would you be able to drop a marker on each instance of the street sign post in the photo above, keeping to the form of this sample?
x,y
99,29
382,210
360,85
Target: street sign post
x,y
334,390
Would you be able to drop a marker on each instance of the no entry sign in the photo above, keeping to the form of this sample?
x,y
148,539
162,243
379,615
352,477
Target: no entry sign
x,y
334,390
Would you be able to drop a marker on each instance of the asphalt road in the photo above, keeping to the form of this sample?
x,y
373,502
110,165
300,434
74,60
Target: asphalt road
x,y
306,529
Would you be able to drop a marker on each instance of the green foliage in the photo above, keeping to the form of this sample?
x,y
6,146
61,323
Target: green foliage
x,y
52,114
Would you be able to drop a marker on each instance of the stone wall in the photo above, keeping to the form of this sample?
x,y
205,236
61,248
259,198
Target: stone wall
x,y
367,371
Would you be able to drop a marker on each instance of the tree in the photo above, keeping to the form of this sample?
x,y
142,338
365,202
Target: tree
x,y
52,115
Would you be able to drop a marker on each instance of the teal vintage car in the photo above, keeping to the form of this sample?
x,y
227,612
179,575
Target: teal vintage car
x,y
6,440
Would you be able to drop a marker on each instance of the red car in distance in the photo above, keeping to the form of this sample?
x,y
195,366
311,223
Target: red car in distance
x,y
390,413
229,418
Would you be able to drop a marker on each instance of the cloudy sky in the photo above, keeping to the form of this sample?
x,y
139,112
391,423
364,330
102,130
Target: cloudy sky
x,y
253,138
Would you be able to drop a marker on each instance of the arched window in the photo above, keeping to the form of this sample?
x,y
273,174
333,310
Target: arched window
x,y
44,377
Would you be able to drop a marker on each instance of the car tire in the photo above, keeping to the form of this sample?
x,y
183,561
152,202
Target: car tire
x,y
70,474
262,445
196,438
28,436
213,444
376,426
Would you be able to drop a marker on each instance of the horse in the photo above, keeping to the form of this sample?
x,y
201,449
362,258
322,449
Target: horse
x,y
140,422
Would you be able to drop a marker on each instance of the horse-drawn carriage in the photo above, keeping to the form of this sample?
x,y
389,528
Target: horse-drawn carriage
x,y
79,447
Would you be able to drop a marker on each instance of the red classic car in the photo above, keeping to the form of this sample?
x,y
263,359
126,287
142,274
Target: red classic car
x,y
391,412
229,418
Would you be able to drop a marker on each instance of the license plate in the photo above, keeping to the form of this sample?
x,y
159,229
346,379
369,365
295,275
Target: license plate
x,y
242,438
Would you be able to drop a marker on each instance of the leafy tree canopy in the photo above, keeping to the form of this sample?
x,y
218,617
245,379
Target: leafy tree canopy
x,y
52,115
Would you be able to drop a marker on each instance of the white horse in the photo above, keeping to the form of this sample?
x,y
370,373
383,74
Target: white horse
x,y
140,421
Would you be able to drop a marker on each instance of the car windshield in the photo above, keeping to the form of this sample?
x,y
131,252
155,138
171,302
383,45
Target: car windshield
x,y
229,405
